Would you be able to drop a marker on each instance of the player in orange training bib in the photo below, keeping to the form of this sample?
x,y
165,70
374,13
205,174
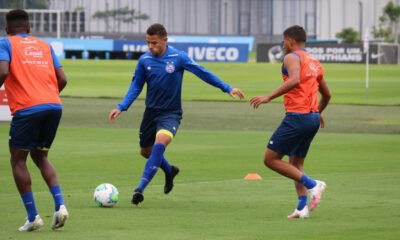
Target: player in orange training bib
x,y
303,79
33,79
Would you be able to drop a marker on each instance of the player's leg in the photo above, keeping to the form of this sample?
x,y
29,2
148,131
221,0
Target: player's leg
x,y
49,175
169,170
23,181
309,125
155,159
152,165
165,165
169,125
301,210
22,134
291,138
147,133
273,160
147,137
48,129
146,151
162,129
47,170
298,163
280,144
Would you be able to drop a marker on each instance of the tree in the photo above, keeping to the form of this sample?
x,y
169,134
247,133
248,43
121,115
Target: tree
x,y
124,15
388,23
348,35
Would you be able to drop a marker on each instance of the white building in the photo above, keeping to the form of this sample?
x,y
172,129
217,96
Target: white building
x,y
264,19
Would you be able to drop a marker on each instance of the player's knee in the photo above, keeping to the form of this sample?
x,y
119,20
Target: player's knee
x,y
18,163
269,162
145,152
38,157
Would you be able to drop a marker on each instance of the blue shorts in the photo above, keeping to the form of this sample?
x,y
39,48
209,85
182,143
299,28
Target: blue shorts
x,y
34,128
156,120
293,137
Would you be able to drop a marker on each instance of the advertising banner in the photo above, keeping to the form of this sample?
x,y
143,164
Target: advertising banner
x,y
212,39
206,52
60,46
330,53
130,46
5,114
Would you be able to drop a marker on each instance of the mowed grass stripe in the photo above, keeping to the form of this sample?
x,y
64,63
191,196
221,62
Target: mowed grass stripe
x,y
347,81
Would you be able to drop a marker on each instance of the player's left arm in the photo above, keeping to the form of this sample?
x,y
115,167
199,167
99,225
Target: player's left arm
x,y
325,98
292,64
209,77
60,75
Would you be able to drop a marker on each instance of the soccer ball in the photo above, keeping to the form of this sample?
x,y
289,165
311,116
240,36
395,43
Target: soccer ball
x,y
106,195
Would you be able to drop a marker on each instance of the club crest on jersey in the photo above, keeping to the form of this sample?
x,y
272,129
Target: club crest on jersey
x,y
170,68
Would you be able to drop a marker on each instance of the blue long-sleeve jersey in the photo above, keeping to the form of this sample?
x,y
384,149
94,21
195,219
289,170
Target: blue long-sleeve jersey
x,y
163,76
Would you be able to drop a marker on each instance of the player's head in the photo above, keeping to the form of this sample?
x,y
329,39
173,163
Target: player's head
x,y
17,21
294,38
156,37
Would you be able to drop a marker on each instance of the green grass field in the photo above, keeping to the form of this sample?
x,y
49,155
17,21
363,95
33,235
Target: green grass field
x,y
219,142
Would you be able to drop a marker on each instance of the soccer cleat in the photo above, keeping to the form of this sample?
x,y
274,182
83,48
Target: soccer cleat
x,y
304,213
59,218
32,226
316,194
137,197
169,179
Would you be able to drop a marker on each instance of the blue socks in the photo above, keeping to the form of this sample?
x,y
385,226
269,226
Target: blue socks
x,y
165,166
153,163
29,202
307,181
30,206
57,196
302,202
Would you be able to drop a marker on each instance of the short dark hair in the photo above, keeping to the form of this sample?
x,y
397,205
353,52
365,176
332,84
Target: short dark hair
x,y
17,18
157,29
296,33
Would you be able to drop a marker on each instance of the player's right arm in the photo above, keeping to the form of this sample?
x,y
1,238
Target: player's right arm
x,y
5,56
4,68
209,77
134,90
292,64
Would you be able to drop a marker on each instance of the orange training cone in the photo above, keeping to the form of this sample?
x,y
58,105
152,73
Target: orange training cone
x,y
252,176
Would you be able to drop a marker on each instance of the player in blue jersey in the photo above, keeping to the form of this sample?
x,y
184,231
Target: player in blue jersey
x,y
161,68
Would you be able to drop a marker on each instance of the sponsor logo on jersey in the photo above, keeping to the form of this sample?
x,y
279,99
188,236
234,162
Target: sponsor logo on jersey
x,y
170,68
28,41
33,52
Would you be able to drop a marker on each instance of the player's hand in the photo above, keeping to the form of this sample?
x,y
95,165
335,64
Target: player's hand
x,y
258,100
237,92
114,114
322,121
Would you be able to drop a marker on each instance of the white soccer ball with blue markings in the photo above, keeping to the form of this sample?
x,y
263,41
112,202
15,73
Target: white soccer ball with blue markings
x,y
106,195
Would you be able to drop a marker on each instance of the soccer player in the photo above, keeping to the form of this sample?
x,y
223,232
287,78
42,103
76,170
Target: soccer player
x,y
303,79
33,79
161,68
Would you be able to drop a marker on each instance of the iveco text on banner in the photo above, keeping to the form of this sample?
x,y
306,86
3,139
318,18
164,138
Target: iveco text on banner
x,y
208,52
